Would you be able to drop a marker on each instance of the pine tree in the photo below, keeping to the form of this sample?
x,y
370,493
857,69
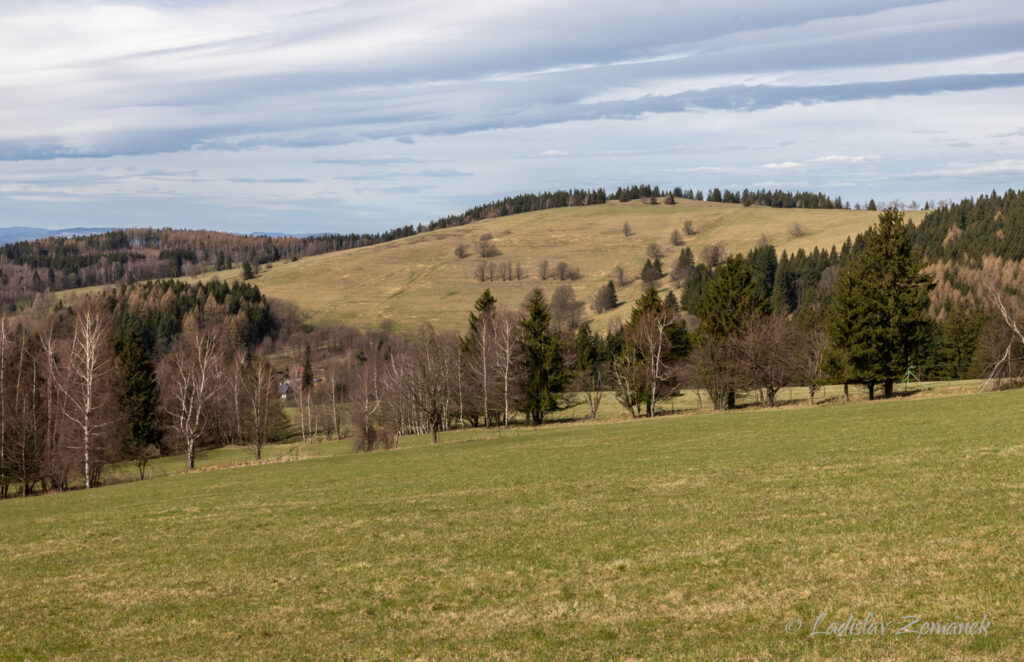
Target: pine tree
x,y
764,265
138,399
729,299
783,299
485,305
671,303
307,369
247,273
542,361
650,273
960,332
649,302
694,290
878,323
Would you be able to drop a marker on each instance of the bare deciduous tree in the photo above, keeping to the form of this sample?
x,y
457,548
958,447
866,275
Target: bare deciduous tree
x,y
764,350
1007,310
506,344
427,380
83,383
566,309
808,356
486,247
713,254
620,275
192,374
259,390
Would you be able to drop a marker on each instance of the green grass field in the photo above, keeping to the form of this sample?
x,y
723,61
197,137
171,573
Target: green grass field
x,y
687,537
419,279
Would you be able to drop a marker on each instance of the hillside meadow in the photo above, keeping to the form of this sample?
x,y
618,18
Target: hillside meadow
x,y
682,537
419,279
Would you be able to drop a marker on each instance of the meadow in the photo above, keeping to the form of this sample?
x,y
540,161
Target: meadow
x,y
419,279
681,537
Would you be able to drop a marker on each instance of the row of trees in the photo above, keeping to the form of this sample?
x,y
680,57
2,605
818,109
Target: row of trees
x,y
746,197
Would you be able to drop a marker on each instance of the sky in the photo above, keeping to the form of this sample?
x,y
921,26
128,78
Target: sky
x,y
315,116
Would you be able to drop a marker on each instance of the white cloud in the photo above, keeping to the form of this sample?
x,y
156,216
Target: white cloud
x,y
255,111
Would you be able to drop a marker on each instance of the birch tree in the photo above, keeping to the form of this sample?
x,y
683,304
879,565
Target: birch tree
x,y
426,380
83,384
507,334
259,390
1006,311
192,375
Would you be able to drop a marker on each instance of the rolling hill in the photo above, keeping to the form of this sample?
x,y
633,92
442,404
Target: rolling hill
x,y
419,279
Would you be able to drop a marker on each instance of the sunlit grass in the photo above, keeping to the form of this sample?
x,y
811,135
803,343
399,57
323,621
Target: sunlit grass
x,y
682,537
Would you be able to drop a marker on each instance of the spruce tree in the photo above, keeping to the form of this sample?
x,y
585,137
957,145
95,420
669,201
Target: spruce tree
x,y
545,377
878,323
485,305
764,265
613,298
649,302
671,303
138,399
307,369
729,299
960,331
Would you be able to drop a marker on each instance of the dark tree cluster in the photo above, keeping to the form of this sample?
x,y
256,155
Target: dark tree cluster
x,y
746,197
519,204
973,228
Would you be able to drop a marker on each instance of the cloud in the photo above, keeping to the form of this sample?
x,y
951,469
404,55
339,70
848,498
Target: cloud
x,y
444,104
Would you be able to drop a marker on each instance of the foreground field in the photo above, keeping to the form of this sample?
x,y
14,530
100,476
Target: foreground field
x,y
696,537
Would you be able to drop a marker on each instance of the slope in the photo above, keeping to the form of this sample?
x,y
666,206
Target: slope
x,y
419,279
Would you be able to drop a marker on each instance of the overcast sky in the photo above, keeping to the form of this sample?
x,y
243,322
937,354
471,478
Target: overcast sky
x,y
338,116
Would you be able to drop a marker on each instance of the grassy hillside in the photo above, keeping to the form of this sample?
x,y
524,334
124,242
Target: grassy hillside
x,y
702,541
419,279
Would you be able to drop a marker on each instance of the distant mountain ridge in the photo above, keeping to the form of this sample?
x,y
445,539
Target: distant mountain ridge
x,y
26,233
17,233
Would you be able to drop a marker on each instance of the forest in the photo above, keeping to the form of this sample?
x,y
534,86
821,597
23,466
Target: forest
x,y
160,367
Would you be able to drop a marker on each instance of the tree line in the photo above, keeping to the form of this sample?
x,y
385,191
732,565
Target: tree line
x,y
746,197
